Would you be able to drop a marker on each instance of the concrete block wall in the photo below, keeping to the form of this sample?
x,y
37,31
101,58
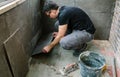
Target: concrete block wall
x,y
115,35
19,30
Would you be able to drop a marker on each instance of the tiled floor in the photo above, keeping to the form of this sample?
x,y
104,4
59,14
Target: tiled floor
x,y
48,65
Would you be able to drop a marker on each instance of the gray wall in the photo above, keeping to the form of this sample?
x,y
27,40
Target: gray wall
x,y
19,30
100,11
115,36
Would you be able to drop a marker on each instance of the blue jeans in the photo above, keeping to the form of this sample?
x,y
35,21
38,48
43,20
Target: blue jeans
x,y
75,39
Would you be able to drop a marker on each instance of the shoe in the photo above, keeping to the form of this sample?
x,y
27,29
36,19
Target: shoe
x,y
77,52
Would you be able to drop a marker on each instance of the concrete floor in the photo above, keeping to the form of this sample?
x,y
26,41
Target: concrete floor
x,y
48,65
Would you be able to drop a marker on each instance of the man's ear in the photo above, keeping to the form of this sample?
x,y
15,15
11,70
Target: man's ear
x,y
47,13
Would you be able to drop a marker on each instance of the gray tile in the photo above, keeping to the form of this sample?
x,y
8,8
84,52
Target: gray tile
x,y
4,67
4,31
16,17
16,54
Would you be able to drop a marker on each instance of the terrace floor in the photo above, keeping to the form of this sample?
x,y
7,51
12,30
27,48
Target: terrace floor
x,y
47,65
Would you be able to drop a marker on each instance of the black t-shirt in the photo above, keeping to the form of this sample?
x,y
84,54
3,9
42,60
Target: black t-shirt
x,y
76,19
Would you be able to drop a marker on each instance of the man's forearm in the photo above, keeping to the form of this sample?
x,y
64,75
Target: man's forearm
x,y
55,41
61,32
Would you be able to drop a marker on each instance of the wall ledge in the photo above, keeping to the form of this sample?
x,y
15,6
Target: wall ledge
x,y
10,5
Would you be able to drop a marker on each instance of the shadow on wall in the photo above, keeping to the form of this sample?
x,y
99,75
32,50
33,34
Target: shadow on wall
x,y
48,24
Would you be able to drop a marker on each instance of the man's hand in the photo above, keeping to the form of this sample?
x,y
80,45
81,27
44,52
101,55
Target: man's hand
x,y
55,34
58,36
47,49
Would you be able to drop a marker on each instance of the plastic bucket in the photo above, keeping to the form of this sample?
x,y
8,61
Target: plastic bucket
x,y
91,64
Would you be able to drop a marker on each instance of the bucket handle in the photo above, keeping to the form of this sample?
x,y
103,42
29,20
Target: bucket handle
x,y
104,68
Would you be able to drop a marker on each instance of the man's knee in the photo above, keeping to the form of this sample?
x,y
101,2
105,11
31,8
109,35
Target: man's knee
x,y
64,44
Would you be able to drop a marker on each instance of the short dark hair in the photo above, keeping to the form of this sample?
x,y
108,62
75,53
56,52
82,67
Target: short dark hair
x,y
50,5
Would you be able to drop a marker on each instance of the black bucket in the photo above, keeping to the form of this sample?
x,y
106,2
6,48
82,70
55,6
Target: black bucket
x,y
91,64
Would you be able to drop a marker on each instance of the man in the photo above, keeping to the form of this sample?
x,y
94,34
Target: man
x,y
75,28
